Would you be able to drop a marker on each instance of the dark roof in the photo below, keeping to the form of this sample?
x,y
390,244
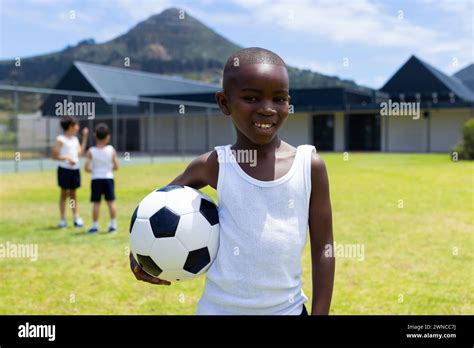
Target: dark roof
x,y
123,86
466,75
307,99
417,76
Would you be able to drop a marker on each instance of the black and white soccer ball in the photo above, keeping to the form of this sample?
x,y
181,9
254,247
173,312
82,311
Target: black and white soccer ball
x,y
174,233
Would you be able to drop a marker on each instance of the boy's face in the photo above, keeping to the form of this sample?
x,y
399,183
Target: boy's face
x,y
258,100
73,128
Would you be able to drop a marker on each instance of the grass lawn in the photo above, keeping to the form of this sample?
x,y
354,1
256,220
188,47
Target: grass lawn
x,y
418,259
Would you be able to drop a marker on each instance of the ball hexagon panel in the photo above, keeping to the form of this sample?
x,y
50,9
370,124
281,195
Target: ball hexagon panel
x,y
164,223
197,260
168,253
183,201
209,211
193,231
141,237
148,265
151,204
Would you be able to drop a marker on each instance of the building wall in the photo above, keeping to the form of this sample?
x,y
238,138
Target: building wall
x,y
408,135
173,134
404,134
297,129
398,133
446,127
339,142
36,132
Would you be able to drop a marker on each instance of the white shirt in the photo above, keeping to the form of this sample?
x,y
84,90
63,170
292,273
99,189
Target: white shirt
x,y
263,230
69,146
102,162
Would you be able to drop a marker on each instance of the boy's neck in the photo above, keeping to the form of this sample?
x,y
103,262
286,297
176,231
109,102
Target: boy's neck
x,y
68,134
244,143
101,144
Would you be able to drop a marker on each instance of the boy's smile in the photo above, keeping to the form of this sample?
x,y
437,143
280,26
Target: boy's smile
x,y
257,98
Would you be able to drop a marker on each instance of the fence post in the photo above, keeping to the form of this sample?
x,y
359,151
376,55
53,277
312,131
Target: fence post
x,y
114,124
150,132
208,129
15,115
183,135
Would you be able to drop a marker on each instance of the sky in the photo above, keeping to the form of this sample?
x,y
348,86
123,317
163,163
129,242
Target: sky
x,y
362,40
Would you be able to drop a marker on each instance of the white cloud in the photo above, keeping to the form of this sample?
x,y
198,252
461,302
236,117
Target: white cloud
x,y
327,68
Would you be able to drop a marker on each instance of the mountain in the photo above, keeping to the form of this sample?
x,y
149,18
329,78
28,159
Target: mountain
x,y
466,75
163,43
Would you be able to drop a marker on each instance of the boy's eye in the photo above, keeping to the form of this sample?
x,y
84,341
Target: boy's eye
x,y
281,99
250,98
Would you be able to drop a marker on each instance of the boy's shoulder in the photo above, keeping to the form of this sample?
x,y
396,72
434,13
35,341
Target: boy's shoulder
x,y
203,170
208,160
318,170
63,138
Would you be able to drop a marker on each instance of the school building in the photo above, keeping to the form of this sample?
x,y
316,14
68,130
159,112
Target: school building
x,y
419,109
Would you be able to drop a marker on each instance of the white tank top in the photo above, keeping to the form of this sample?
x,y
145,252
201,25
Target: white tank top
x,y
263,229
69,146
102,162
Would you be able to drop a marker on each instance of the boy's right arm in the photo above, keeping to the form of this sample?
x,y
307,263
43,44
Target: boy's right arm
x,y
202,171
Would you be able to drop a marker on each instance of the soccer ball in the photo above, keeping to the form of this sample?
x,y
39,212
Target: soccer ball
x,y
174,233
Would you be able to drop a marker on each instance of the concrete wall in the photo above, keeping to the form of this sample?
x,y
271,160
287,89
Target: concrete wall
x,y
297,129
173,134
446,127
36,132
408,135
398,133
339,132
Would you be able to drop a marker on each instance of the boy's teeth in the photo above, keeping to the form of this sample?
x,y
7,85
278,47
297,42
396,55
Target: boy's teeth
x,y
263,125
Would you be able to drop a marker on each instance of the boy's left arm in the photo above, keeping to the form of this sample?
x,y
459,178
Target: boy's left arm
x,y
82,149
88,164
115,162
321,237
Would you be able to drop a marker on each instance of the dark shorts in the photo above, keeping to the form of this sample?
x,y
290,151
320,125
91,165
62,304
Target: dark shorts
x,y
304,312
101,187
69,179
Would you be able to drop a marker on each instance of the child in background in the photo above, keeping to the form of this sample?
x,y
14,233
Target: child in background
x,y
101,162
67,150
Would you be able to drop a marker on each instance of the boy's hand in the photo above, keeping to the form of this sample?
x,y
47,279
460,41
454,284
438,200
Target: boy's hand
x,y
71,161
85,131
140,274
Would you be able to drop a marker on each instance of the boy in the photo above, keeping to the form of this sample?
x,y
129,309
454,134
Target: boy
x,y
289,189
101,162
67,150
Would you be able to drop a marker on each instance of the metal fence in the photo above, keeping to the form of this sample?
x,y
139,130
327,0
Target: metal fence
x,y
144,129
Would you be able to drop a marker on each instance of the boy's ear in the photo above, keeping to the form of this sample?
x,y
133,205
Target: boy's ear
x,y
222,101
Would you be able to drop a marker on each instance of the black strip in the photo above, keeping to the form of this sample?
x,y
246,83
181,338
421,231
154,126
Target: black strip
x,y
291,330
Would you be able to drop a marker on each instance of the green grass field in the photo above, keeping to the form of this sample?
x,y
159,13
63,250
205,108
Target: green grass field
x,y
418,259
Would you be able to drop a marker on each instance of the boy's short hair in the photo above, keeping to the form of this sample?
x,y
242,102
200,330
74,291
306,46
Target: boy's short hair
x,y
67,121
101,131
251,55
